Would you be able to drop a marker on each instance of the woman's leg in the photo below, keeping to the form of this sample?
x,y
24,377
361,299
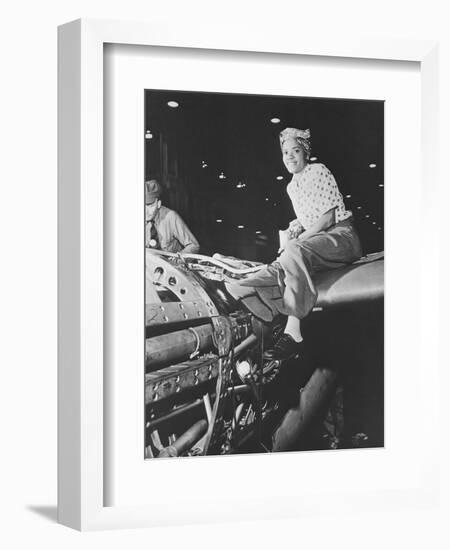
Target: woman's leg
x,y
300,260
289,343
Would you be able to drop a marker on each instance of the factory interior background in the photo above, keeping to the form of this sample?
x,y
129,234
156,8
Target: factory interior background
x,y
218,158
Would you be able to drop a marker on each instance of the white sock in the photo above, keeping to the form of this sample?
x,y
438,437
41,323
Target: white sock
x,y
293,329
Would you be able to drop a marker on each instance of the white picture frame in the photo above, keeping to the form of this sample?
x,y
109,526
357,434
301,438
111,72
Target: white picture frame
x,y
81,43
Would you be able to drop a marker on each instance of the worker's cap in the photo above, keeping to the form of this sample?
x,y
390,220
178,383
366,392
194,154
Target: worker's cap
x,y
152,191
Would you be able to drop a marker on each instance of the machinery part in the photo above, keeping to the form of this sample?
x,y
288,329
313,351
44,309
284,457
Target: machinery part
x,y
237,414
161,313
175,346
356,284
223,381
226,264
313,398
173,283
196,335
172,380
168,381
244,368
185,441
245,344
154,424
223,334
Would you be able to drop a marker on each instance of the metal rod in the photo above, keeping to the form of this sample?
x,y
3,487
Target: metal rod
x,y
186,440
208,409
176,346
174,414
243,388
245,344
237,415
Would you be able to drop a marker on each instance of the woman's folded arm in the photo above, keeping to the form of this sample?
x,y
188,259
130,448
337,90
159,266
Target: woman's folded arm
x,y
322,224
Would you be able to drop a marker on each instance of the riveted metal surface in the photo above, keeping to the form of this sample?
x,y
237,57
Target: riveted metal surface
x,y
171,281
223,334
176,378
161,313
215,429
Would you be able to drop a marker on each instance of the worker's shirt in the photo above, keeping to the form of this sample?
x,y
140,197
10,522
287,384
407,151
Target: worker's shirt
x,y
173,234
314,191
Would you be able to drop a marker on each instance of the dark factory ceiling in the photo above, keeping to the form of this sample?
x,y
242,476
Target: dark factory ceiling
x,y
227,151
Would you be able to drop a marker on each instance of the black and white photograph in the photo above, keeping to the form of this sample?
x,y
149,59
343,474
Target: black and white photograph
x,y
264,273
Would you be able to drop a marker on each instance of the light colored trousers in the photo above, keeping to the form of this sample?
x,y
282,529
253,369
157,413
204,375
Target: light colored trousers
x,y
286,286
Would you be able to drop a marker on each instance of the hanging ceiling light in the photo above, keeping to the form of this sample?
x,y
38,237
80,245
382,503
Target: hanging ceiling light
x,y
222,176
279,178
173,104
241,226
148,134
275,120
373,165
219,220
348,196
313,159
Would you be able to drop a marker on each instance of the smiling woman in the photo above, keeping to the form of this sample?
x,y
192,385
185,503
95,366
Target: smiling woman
x,y
208,314
216,158
212,382
321,237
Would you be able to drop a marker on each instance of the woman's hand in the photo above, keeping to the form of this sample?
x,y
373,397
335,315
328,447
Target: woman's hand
x,y
323,223
294,229
292,232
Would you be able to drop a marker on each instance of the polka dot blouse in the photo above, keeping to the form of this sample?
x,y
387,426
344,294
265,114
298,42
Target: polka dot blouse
x,y
313,192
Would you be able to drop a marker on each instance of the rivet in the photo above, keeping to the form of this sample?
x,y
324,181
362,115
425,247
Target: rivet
x,y
158,273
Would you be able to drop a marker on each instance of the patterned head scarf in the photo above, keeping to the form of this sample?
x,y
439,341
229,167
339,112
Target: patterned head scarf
x,y
302,137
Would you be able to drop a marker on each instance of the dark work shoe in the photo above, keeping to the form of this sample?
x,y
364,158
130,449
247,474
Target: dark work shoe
x,y
284,348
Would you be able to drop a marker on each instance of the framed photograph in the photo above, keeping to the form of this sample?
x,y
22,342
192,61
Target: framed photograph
x,y
221,162
238,295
